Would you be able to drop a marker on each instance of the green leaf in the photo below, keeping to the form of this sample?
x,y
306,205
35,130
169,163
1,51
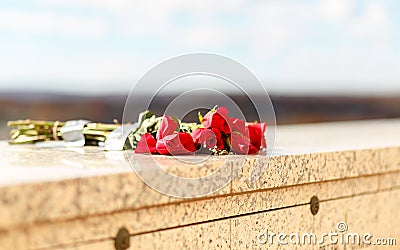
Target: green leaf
x,y
144,115
200,117
179,124
214,109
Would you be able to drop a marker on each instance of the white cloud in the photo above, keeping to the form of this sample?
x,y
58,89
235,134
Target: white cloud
x,y
115,5
334,10
274,26
205,36
158,18
374,22
87,68
29,22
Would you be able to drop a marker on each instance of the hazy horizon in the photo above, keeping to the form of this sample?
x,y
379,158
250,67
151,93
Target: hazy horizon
x,y
315,93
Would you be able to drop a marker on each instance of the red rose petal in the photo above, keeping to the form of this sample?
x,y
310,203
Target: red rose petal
x,y
238,125
256,134
205,137
167,127
176,144
241,144
147,144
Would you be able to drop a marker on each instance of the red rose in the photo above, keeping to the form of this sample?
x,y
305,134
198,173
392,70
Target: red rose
x,y
147,144
217,119
176,144
222,111
241,144
256,134
208,138
220,142
167,127
238,125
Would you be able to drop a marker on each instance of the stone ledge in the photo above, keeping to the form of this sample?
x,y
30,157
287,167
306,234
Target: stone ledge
x,y
191,212
46,191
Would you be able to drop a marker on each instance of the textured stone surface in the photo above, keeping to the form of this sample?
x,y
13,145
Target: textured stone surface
x,y
212,235
307,168
120,191
375,213
16,238
246,229
338,136
101,245
191,212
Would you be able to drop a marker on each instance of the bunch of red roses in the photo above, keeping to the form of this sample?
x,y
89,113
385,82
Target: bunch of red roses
x,y
217,133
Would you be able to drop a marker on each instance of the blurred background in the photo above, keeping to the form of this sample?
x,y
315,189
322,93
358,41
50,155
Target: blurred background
x,y
319,60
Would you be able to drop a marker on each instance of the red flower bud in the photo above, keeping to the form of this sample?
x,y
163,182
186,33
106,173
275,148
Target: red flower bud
x,y
147,144
218,119
176,144
238,125
208,138
256,134
222,111
167,127
241,144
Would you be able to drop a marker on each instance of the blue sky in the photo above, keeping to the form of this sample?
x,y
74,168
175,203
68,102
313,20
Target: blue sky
x,y
102,46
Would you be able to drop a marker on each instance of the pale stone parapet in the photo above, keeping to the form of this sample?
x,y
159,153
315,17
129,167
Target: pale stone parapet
x,y
80,198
